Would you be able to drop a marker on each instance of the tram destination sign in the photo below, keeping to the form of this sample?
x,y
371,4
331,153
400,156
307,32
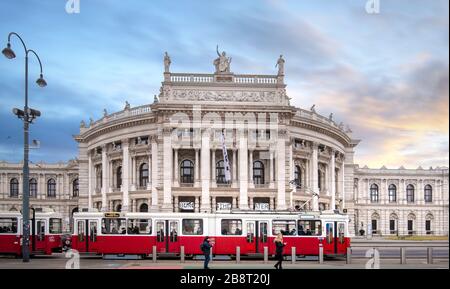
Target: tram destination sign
x,y
186,205
262,206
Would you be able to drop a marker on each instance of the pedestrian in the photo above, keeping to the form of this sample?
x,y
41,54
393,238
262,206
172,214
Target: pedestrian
x,y
206,248
279,245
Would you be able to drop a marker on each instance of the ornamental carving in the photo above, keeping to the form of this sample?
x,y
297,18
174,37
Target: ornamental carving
x,y
277,97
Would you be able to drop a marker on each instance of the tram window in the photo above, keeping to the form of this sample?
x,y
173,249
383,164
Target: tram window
x,y
80,230
329,229
8,225
55,226
285,227
139,226
309,228
231,227
114,226
192,226
341,232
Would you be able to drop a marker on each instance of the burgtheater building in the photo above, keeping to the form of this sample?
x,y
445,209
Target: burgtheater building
x,y
225,141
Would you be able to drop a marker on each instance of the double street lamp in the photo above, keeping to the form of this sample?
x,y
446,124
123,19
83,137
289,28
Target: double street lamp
x,y
27,115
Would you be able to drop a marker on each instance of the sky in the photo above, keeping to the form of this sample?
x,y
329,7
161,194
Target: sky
x,y
384,74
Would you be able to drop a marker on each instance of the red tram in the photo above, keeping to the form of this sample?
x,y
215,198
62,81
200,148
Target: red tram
x,y
137,233
45,234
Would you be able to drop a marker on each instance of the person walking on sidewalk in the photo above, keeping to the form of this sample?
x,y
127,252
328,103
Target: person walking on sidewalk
x,y
279,245
206,248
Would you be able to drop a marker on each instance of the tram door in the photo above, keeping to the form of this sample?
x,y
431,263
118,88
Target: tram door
x,y
340,238
39,238
87,235
167,239
330,245
256,236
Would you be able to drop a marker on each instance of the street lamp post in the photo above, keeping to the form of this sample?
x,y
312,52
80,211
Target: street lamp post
x,y
27,115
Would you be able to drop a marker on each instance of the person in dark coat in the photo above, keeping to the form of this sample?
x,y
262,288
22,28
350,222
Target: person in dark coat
x,y
279,245
206,248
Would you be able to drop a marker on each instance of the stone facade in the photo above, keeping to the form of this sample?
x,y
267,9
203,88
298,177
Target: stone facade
x,y
168,156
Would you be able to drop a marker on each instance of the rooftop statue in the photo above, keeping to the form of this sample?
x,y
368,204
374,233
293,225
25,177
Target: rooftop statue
x,y
167,62
222,63
280,64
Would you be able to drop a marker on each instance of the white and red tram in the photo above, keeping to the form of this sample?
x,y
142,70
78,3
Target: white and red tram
x,y
137,233
45,233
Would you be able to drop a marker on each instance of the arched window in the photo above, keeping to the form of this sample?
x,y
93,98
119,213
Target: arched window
x,y
51,188
33,188
143,175
220,172
392,193
143,208
410,194
187,172
75,189
119,177
428,194
374,193
258,173
119,208
298,176
14,188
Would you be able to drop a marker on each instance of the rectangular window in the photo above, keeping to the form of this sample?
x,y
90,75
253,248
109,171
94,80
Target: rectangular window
x,y
410,227
113,226
80,231
285,227
428,227
392,226
231,227
192,226
8,225
55,226
139,226
374,226
309,228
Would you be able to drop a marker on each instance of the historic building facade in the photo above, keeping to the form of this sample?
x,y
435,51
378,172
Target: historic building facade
x,y
172,156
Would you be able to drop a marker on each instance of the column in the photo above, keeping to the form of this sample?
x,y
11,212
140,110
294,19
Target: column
x,y
342,185
213,204
125,175
271,167
205,170
333,180
90,180
233,203
196,205
281,171
234,177
111,176
243,171
420,193
213,168
167,171
250,170
104,177
177,206
133,206
251,203
134,183
154,145
176,173
196,169
150,168
315,177
111,206
272,204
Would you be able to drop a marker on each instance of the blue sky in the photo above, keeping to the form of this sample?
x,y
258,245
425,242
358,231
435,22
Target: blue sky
x,y
386,74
